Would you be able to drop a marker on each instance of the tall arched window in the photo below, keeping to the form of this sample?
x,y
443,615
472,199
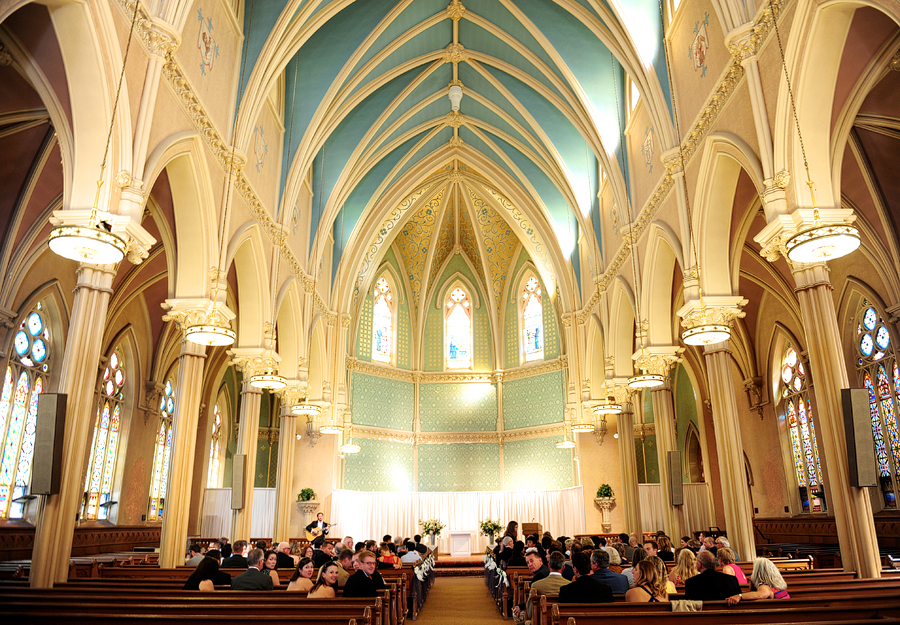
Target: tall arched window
x,y
162,453
102,460
878,371
383,322
532,320
458,330
215,450
25,379
798,415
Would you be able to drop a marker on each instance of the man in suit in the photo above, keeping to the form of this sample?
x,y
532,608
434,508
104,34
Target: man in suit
x,y
551,584
710,585
324,555
320,528
585,589
345,567
629,548
253,578
601,573
238,559
538,570
283,557
366,582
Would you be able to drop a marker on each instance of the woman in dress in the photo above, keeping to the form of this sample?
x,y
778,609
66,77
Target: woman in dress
x,y
766,582
663,572
269,565
512,530
201,578
685,567
301,580
648,586
327,582
386,558
306,552
295,552
639,554
726,559
665,551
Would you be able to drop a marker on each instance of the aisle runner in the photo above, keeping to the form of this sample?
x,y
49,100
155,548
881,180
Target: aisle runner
x,y
455,600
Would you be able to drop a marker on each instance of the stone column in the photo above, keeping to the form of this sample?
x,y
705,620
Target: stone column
x,y
630,498
735,496
285,496
247,443
55,523
852,507
184,446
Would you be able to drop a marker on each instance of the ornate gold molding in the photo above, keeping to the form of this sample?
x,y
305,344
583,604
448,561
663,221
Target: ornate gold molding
x,y
425,377
749,43
444,438
526,372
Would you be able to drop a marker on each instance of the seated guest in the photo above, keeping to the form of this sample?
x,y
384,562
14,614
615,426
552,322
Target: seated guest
x,y
663,572
359,547
226,547
348,543
270,564
371,545
710,585
651,547
238,558
584,589
296,552
531,541
722,542
203,577
503,551
648,587
684,541
709,545
512,530
550,585
665,553
518,554
386,559
567,571
600,567
214,544
194,557
323,555
638,555
326,583
366,582
412,556
620,548
685,567
261,544
386,538
546,541
421,549
417,539
766,582
345,567
283,555
694,545
626,544
538,570
702,537
220,577
614,557
726,559
253,578
301,580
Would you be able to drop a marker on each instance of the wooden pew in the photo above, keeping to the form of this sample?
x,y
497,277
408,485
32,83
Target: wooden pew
x,y
130,617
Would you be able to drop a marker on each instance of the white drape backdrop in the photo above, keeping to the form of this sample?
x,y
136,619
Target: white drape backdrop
x,y
696,508
364,515
216,518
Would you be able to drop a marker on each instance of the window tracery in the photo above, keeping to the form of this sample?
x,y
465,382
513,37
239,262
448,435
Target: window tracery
x,y
101,462
877,368
26,377
162,453
212,479
532,319
458,329
798,416
383,321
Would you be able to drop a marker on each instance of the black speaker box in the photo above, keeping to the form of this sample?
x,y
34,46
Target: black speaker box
x,y
858,431
238,471
676,481
49,428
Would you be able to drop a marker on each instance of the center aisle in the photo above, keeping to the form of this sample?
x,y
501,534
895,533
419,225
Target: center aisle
x,y
455,600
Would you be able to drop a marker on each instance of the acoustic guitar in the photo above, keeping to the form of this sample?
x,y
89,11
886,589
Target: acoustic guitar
x,y
317,531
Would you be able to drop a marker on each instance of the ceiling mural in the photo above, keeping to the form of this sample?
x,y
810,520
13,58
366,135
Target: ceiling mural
x,y
468,241
446,238
414,240
499,243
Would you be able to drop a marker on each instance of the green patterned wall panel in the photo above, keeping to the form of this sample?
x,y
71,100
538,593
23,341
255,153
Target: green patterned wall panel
x,y
459,467
403,333
482,340
536,464
551,329
434,356
685,409
537,400
379,466
648,457
382,402
458,407
511,333
364,333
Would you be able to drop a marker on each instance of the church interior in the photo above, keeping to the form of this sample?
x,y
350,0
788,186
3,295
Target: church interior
x,y
438,258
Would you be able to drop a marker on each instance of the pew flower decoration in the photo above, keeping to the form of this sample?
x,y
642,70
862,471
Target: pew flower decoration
x,y
490,527
432,526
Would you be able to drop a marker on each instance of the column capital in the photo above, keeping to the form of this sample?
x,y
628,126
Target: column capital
x,y
186,312
718,309
744,42
774,236
658,359
137,240
253,360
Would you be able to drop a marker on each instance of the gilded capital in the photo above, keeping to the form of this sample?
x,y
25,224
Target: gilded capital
x,y
456,10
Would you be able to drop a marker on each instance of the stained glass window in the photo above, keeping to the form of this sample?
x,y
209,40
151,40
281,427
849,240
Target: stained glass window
x,y
98,480
532,320
801,429
212,479
161,453
877,366
458,330
382,321
25,378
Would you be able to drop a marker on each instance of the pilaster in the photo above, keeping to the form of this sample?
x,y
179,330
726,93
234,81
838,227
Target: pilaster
x,y
248,435
55,523
630,499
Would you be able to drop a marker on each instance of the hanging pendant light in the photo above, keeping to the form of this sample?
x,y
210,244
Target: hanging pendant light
x,y
607,406
213,331
582,427
306,409
268,379
349,447
822,243
565,443
95,242
646,380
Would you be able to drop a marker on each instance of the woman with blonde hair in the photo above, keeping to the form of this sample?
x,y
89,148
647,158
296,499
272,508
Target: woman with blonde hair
x,y
663,573
685,567
648,586
726,559
766,582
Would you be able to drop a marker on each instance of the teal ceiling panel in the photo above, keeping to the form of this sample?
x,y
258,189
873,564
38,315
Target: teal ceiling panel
x,y
472,108
475,141
441,138
433,112
414,14
479,84
434,82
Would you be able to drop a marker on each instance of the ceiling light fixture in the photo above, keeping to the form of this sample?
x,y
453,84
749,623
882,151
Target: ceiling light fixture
x,y
607,406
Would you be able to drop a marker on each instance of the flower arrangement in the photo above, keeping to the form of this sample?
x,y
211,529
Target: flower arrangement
x,y
490,527
605,490
307,494
432,526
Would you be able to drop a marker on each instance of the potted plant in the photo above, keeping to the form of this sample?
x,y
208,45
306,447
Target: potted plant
x,y
307,494
489,528
605,492
432,527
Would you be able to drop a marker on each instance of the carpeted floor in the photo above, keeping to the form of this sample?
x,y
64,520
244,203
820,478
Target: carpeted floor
x,y
455,600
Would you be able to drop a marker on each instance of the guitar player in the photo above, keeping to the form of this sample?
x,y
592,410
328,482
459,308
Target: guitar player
x,y
317,531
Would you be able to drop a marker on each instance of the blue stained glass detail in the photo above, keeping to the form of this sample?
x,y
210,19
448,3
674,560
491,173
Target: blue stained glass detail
x,y
39,350
866,344
35,324
882,338
870,318
21,343
877,434
890,419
